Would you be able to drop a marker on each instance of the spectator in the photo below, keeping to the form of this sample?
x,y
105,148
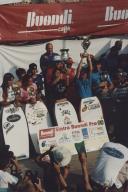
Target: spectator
x,y
120,98
58,85
110,60
6,179
7,86
69,75
28,90
101,82
38,79
52,162
58,64
46,59
20,72
51,75
70,71
27,186
29,183
123,62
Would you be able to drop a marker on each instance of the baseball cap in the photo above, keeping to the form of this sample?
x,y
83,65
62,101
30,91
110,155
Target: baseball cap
x,y
62,155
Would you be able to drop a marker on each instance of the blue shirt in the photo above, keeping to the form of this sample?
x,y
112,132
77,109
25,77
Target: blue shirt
x,y
84,87
96,78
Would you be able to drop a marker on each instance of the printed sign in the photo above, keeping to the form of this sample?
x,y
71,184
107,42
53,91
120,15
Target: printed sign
x,y
93,135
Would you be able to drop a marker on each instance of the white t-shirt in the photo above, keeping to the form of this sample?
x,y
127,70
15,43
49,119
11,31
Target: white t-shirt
x,y
110,161
6,178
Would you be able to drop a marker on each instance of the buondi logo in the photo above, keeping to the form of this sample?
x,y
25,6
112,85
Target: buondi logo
x,y
114,15
13,118
56,21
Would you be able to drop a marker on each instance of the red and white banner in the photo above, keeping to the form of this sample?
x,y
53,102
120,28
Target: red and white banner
x,y
52,21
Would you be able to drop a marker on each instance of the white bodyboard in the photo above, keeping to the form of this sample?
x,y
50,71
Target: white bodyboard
x,y
38,118
91,113
65,113
15,131
90,109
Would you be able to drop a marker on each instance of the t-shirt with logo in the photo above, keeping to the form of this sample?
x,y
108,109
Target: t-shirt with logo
x,y
111,159
58,90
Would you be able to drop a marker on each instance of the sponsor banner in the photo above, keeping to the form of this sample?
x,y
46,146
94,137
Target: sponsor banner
x,y
52,21
92,133
3,2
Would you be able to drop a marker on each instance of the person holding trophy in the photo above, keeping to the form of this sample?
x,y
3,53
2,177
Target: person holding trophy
x,y
83,74
84,86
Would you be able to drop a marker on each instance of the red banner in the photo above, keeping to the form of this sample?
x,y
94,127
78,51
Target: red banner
x,y
52,21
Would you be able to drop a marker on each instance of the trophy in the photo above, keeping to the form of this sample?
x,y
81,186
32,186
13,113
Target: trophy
x,y
64,54
16,89
85,44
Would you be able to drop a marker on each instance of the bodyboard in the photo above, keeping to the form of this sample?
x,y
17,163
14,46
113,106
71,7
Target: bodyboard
x,y
15,131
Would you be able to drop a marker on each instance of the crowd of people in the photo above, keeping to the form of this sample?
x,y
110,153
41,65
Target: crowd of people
x,y
106,78
55,165
15,179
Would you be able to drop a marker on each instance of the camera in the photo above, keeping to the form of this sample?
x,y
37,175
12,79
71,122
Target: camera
x,y
32,176
11,155
122,78
104,76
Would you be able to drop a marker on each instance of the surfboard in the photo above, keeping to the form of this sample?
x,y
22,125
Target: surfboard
x,y
65,113
90,109
38,118
15,131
